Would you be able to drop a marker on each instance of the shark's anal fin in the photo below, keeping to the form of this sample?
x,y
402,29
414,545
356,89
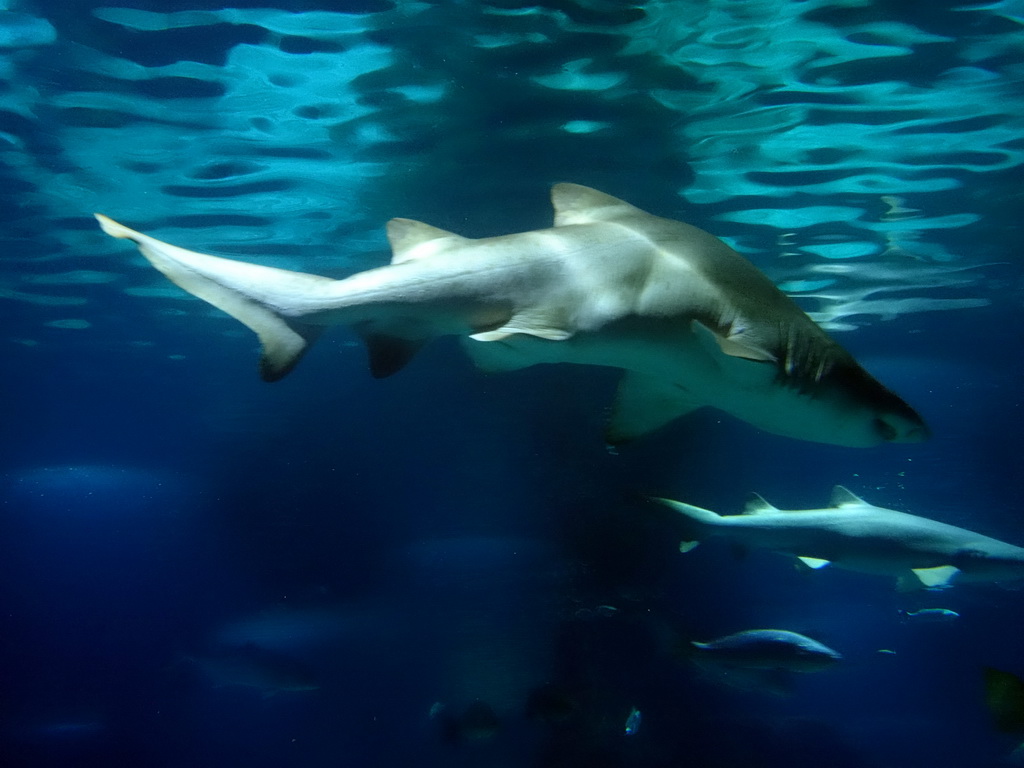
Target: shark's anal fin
x,y
643,404
388,354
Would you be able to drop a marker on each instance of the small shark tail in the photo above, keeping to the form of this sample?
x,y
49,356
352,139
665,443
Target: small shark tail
x,y
696,522
264,299
695,514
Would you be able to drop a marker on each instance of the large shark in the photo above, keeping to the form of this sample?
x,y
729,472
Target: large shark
x,y
858,536
690,321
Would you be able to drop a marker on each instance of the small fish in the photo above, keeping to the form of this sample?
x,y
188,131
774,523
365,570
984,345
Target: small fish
x,y
767,649
633,722
930,615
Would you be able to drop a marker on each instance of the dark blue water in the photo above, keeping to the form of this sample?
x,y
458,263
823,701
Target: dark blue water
x,y
183,546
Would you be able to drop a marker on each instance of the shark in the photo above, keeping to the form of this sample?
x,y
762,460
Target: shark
x,y
855,535
688,320
762,660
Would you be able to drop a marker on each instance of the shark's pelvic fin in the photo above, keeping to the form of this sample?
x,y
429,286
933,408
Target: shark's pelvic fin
x,y
643,404
256,296
939,576
411,239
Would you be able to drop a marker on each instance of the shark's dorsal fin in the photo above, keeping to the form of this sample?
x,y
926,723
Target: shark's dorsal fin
x,y
576,204
412,239
844,497
759,506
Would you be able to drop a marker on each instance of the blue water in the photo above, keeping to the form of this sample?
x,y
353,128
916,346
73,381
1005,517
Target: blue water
x,y
445,537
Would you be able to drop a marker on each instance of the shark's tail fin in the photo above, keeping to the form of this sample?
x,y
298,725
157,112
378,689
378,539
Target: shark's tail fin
x,y
265,299
697,514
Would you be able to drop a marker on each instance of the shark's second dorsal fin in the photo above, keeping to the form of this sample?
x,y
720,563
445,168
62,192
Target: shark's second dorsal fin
x,y
412,239
759,506
576,204
844,497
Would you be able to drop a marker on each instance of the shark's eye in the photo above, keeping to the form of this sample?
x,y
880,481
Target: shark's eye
x,y
886,430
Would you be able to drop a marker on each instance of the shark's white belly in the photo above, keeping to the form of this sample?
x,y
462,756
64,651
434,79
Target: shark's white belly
x,y
681,364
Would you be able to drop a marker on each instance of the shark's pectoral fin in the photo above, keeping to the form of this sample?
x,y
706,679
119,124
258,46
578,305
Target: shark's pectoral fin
x,y
738,342
939,576
513,328
814,563
388,354
643,404
534,322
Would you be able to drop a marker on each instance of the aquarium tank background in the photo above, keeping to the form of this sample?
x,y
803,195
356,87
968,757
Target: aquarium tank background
x,y
449,567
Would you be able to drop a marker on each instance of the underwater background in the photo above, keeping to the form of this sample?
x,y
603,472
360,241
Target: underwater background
x,y
446,567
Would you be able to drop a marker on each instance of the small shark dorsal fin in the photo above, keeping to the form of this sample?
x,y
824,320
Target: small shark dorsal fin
x,y
844,497
759,506
412,239
576,204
